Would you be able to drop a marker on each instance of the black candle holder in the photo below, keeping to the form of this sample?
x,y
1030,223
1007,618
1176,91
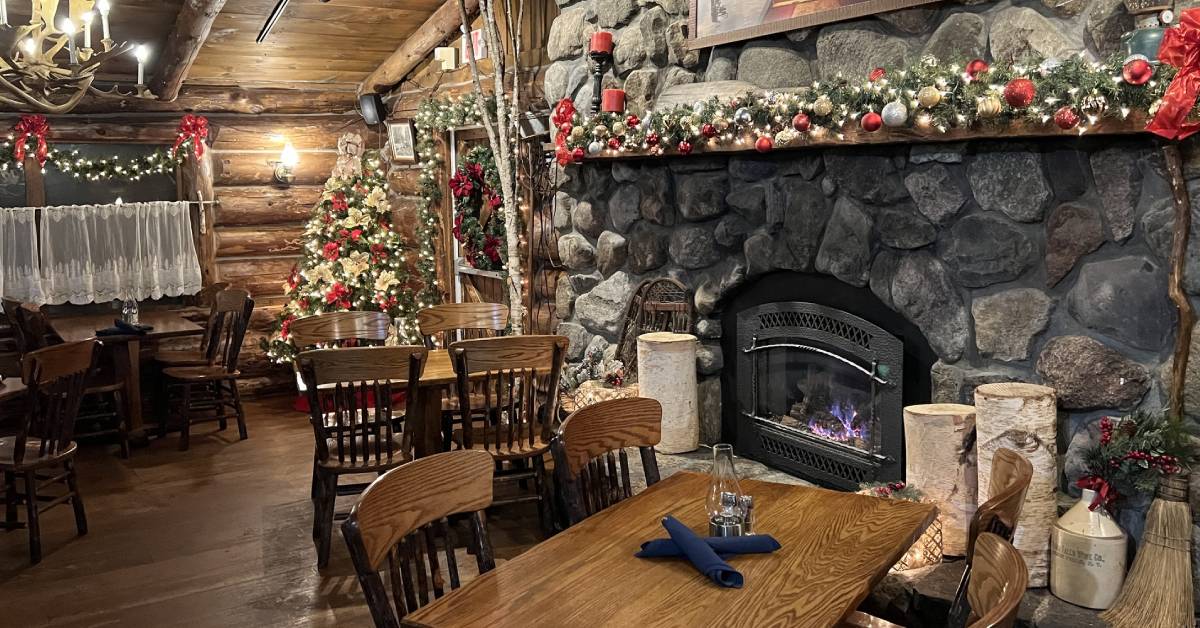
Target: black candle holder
x,y
600,63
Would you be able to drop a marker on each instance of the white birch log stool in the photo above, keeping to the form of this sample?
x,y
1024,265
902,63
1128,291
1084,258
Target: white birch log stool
x,y
939,461
1023,417
667,373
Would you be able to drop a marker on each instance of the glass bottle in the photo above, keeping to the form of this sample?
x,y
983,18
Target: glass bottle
x,y
129,311
724,502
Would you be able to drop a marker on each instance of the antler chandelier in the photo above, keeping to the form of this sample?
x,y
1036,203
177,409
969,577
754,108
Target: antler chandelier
x,y
32,73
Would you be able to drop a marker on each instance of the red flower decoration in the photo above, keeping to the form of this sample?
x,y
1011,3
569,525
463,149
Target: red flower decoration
x,y
338,293
195,128
36,127
491,248
356,234
339,202
564,112
461,185
562,156
285,329
331,251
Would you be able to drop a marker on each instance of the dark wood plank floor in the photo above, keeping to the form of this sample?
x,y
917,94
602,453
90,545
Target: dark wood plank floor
x,y
216,536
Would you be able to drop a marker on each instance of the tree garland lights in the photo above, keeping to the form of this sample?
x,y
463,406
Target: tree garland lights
x,y
930,97
435,116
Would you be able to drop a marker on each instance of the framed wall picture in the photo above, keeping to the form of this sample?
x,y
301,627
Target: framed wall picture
x,y
400,137
715,22
474,42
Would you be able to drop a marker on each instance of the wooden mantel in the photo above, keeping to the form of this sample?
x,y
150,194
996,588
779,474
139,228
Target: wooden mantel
x,y
853,136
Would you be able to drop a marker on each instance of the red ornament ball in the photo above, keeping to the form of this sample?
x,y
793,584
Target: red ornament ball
x,y
764,144
1066,118
685,147
1019,93
871,122
708,130
632,121
652,139
578,154
801,122
877,74
1137,71
977,67
565,127
614,143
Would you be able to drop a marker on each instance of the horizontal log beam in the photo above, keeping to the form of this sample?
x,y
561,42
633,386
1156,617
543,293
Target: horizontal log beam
x,y
183,45
241,241
260,205
229,99
262,276
241,169
243,133
443,24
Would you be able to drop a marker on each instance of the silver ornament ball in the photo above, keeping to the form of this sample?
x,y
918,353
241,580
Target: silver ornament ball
x,y
894,114
595,147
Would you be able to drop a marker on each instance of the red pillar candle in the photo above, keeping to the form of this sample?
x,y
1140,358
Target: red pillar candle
x,y
602,41
614,101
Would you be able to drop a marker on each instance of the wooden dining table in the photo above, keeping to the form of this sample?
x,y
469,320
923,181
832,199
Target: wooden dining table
x,y
436,382
11,388
166,324
835,549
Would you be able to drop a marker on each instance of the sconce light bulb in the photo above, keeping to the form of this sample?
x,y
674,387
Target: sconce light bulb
x,y
142,53
289,157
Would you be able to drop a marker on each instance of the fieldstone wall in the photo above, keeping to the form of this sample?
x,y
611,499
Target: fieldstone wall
x,y
1038,261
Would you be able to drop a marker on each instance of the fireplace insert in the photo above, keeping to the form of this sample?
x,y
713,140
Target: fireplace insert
x,y
819,391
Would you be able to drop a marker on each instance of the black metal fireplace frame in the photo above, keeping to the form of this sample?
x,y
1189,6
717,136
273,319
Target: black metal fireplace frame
x,y
792,325
774,450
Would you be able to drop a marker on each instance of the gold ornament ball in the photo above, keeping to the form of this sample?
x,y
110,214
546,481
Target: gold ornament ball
x,y
929,96
618,128
578,132
721,123
823,106
600,131
988,107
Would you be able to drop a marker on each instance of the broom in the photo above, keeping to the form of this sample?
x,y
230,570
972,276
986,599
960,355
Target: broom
x,y
1158,591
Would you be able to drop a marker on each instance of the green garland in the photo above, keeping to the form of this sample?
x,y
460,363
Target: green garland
x,y
161,161
434,117
1091,90
476,184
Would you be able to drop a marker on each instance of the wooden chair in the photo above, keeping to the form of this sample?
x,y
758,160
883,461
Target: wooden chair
x,y
442,325
995,591
998,516
583,452
216,380
105,384
518,377
42,453
350,397
167,358
337,329
397,523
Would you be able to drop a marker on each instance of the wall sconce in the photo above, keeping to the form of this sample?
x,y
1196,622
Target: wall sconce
x,y
285,167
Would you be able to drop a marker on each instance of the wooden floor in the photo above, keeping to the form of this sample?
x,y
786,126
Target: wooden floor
x,y
216,536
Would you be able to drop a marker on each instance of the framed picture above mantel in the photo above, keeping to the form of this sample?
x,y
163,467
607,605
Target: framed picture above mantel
x,y
715,22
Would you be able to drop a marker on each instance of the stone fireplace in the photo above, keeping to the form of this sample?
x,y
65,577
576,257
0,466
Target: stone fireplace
x,y
991,260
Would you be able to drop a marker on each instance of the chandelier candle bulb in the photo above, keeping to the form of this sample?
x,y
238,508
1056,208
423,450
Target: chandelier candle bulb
x,y
88,17
142,53
68,29
3,12
104,7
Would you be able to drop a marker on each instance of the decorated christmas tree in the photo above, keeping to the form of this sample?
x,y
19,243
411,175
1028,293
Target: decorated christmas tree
x,y
353,258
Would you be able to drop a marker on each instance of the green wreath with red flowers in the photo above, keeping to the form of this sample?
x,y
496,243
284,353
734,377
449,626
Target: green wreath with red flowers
x,y
479,210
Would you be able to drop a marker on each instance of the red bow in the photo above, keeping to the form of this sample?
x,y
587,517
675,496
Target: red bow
x,y
1180,48
194,128
32,126
1105,493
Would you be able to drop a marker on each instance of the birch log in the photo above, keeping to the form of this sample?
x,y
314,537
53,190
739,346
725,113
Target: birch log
x,y
939,455
1022,417
667,373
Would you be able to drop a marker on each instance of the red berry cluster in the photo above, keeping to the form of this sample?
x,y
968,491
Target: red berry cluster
x,y
887,489
1106,430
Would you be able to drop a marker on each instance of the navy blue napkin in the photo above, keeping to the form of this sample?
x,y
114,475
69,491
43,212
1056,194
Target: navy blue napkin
x,y
121,328
722,545
702,557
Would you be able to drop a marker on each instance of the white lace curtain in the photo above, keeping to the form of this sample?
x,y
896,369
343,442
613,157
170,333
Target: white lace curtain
x,y
97,253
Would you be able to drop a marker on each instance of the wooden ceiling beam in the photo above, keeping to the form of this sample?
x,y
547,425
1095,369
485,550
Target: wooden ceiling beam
x,y
183,45
231,99
442,24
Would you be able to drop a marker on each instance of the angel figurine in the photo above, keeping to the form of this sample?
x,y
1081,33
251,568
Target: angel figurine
x,y
350,154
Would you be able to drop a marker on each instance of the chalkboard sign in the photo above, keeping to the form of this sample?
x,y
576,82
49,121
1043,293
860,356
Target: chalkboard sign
x,y
63,188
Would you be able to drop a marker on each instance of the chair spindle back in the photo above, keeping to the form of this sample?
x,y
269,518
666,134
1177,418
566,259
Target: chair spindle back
x,y
517,382
584,452
234,307
397,524
339,329
56,377
441,323
351,393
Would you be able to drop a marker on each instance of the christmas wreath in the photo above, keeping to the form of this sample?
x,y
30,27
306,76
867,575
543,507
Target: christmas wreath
x,y
1133,453
478,208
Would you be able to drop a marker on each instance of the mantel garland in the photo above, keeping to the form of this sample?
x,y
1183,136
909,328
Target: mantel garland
x,y
434,117
932,97
29,136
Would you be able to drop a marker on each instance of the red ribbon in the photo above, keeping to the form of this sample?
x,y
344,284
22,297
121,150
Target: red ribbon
x,y
195,128
1180,48
1105,493
32,126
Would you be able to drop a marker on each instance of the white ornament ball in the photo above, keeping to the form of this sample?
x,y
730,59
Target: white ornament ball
x,y
742,116
595,147
894,114
698,106
823,106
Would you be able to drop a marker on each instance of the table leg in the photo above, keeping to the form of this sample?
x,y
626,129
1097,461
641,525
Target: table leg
x,y
133,391
427,429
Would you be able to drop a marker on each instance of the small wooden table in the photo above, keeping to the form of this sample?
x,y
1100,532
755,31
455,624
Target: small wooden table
x,y
836,547
436,380
166,325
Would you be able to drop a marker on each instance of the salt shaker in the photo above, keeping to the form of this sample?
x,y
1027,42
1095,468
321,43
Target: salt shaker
x,y
747,502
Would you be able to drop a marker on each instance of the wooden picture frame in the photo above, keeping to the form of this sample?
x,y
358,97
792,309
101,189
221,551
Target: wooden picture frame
x,y
400,138
757,18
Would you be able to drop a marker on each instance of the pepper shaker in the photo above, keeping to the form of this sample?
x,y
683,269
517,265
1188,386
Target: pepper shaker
x,y
747,502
